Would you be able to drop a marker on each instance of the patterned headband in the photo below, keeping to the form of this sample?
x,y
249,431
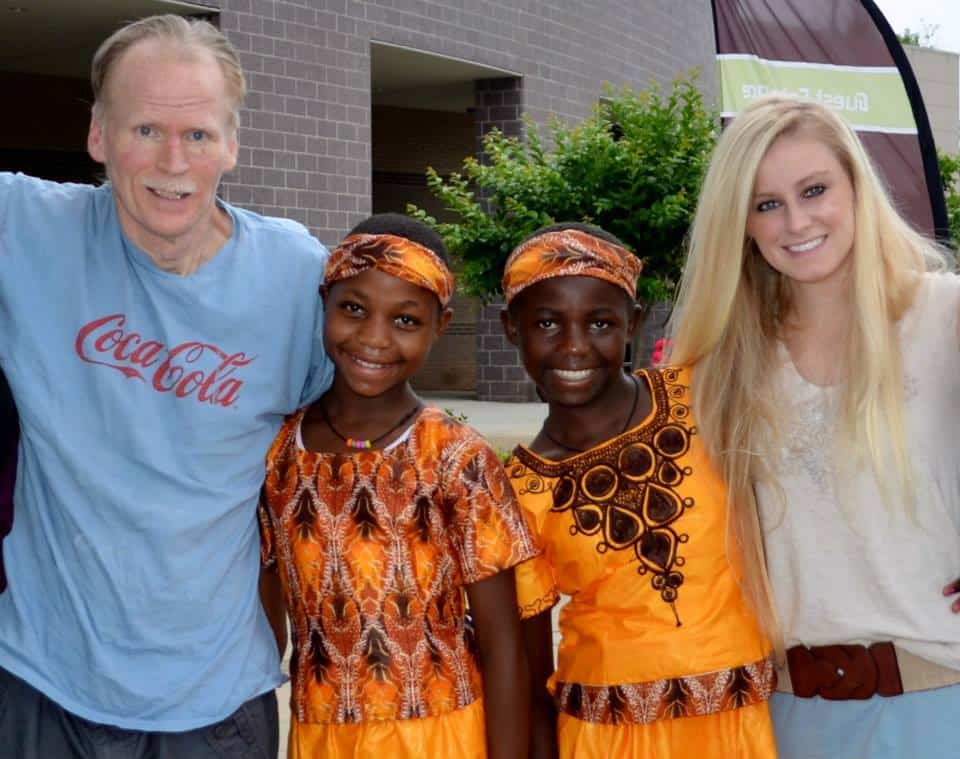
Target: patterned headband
x,y
392,255
569,253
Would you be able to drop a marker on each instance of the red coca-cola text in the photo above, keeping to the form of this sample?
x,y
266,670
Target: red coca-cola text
x,y
191,369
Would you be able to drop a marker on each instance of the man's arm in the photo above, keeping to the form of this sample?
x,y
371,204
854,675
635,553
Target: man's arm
x,y
8,411
9,436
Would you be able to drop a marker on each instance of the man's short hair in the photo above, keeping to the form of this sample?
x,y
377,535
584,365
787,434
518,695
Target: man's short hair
x,y
189,34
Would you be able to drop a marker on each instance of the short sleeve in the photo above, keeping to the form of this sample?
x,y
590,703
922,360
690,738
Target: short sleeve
x,y
29,206
268,555
536,587
489,528
535,580
278,460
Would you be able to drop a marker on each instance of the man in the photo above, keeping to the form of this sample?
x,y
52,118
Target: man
x,y
153,338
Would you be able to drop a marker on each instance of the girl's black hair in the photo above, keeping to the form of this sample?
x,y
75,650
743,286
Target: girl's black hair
x,y
403,226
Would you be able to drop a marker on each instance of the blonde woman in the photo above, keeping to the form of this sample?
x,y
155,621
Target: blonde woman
x,y
826,383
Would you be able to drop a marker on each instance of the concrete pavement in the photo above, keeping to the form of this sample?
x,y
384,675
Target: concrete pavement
x,y
504,425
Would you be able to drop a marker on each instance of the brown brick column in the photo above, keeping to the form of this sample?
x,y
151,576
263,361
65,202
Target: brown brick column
x,y
500,376
499,104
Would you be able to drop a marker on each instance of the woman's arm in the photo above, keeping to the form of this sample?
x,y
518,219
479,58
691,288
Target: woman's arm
x,y
538,640
506,681
271,596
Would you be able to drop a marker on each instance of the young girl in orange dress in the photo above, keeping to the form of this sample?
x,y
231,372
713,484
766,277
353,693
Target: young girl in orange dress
x,y
381,515
660,653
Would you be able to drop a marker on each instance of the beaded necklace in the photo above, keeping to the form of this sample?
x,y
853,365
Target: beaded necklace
x,y
366,444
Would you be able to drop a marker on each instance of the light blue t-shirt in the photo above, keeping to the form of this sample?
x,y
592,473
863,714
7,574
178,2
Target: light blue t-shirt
x,y
147,402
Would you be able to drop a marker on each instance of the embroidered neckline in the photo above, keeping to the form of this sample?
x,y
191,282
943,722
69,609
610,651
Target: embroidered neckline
x,y
624,493
659,412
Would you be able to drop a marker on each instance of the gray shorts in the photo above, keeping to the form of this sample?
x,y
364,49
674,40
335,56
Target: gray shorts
x,y
34,727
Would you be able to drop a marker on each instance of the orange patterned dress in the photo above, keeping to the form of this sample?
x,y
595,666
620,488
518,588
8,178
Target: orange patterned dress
x,y
659,654
374,548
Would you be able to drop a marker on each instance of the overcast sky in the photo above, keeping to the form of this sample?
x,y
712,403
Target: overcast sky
x,y
942,16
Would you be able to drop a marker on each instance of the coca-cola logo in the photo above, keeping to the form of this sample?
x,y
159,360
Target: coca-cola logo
x,y
189,370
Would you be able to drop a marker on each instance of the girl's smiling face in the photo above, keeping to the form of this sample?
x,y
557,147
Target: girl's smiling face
x,y
378,330
572,333
802,213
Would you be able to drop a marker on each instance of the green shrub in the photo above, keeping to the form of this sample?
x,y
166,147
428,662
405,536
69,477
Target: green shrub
x,y
950,176
633,168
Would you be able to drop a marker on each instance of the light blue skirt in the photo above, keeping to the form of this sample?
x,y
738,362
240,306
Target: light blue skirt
x,y
918,725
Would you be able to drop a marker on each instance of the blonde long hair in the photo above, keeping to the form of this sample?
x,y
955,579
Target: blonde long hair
x,y
729,315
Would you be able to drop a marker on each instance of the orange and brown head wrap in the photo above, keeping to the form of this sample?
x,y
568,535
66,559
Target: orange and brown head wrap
x,y
569,253
392,255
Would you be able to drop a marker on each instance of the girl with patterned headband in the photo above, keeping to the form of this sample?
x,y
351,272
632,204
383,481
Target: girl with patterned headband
x,y
660,655
382,516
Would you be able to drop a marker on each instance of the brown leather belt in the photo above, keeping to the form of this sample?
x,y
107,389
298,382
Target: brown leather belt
x,y
860,672
844,671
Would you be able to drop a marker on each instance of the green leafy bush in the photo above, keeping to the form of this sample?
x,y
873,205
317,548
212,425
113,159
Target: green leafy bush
x,y
634,168
950,176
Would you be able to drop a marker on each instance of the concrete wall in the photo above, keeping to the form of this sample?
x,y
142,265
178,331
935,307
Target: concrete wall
x,y
938,74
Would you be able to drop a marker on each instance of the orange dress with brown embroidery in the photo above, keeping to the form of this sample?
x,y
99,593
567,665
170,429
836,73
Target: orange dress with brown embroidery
x,y
374,549
659,654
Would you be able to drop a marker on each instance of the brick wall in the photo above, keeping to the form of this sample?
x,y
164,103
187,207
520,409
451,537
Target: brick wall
x,y
306,129
306,132
500,375
305,136
499,104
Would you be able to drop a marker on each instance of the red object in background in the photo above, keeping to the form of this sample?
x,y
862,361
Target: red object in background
x,y
659,348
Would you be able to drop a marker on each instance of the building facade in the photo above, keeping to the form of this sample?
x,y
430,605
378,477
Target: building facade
x,y
350,100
